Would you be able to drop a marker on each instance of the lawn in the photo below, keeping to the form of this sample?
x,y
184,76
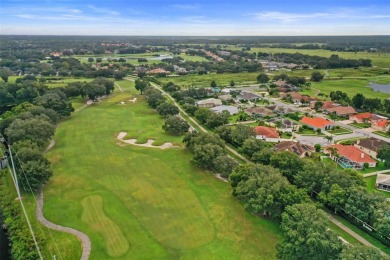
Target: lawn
x,y
308,132
144,203
361,125
380,166
339,131
370,182
350,86
192,57
382,133
64,81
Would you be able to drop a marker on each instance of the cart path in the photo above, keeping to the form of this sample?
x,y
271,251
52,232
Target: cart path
x,y
85,241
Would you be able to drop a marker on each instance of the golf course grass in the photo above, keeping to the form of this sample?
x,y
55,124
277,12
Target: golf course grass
x,y
142,203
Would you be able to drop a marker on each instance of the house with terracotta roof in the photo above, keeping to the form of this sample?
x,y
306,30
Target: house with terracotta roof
x,y
349,156
381,125
325,104
267,133
297,98
341,111
302,150
361,117
317,123
370,145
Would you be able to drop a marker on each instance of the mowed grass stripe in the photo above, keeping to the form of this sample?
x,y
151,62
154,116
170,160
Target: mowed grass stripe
x,y
94,215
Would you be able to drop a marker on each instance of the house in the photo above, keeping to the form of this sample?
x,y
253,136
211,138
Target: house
x,y
179,70
210,102
158,71
226,97
302,150
341,111
325,104
361,118
248,96
381,125
259,112
383,182
349,156
267,133
317,123
370,145
219,109
297,98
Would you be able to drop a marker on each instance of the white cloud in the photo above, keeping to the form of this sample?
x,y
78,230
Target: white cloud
x,y
288,17
186,6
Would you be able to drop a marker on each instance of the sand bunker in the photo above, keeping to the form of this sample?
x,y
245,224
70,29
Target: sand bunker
x,y
150,142
133,100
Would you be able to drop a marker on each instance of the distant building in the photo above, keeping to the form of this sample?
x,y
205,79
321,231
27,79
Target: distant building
x,y
210,102
302,150
341,111
266,133
219,109
225,97
158,71
381,125
383,182
259,112
248,96
362,117
370,145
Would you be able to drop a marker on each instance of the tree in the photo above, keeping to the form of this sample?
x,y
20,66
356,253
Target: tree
x,y
335,198
5,73
154,97
35,129
384,154
141,85
262,78
240,133
318,105
35,174
358,101
175,125
213,84
232,83
167,109
93,90
252,145
202,114
262,157
217,119
91,59
288,163
224,165
317,148
316,76
204,155
119,75
372,104
306,235
56,102
357,252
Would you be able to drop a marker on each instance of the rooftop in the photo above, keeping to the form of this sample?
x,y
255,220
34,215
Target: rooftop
x,y
342,110
268,132
371,143
293,147
219,109
353,153
316,122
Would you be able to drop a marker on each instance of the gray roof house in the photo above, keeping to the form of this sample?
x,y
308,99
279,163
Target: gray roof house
x,y
248,96
210,102
219,109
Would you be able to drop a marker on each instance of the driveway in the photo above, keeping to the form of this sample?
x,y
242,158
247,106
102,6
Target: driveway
x,y
312,140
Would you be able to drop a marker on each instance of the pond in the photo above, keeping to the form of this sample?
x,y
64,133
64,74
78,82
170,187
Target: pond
x,y
379,87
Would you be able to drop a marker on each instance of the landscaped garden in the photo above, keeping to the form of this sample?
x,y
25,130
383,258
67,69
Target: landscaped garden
x,y
339,131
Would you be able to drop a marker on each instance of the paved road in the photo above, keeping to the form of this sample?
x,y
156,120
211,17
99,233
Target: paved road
x,y
375,173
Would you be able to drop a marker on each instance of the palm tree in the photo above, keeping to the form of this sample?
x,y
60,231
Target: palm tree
x,y
329,138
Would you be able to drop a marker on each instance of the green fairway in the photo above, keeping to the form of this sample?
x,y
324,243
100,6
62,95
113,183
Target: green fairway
x,y
142,203
192,57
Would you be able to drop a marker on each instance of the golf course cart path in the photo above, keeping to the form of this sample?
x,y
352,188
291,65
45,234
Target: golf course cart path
x,y
85,241
149,144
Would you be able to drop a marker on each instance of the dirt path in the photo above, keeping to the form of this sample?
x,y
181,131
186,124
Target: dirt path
x,y
51,144
119,87
149,144
85,241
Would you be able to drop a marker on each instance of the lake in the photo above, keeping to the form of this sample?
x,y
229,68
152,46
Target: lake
x,y
379,87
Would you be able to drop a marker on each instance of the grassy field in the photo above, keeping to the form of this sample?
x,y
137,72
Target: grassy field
x,y
144,203
192,57
370,181
350,86
378,59
205,80
64,81
340,131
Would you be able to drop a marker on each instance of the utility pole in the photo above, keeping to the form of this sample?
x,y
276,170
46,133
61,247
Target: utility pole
x,y
15,179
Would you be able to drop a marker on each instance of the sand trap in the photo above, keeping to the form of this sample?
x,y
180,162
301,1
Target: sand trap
x,y
133,100
123,102
149,144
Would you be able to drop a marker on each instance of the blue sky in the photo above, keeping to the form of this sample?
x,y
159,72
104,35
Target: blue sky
x,y
212,17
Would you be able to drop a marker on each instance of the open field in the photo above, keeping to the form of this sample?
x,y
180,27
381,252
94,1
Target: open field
x,y
205,80
64,81
156,203
192,57
378,59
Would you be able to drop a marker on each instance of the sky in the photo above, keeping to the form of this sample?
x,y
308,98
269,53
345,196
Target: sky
x,y
195,18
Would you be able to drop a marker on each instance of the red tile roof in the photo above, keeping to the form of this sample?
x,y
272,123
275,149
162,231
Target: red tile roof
x,y
158,71
328,104
362,116
382,122
353,153
267,132
316,122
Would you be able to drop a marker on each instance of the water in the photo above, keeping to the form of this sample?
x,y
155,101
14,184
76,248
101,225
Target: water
x,y
4,247
161,57
379,87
